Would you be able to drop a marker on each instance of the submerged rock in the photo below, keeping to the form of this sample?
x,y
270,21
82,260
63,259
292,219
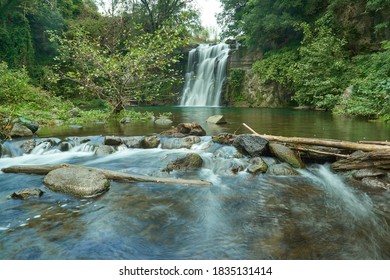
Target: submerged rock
x,y
257,165
286,154
178,143
251,145
104,150
163,121
27,193
369,172
185,129
216,119
282,169
28,146
189,162
376,183
77,181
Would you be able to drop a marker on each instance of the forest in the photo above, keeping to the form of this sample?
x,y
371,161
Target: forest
x,y
57,55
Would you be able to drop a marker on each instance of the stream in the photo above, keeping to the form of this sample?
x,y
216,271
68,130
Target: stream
x,y
316,215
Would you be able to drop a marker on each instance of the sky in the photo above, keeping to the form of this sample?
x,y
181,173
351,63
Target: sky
x,y
208,10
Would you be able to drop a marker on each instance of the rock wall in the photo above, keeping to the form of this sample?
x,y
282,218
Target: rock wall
x,y
251,93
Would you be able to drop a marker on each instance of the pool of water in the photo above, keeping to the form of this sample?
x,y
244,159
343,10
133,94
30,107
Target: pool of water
x,y
283,122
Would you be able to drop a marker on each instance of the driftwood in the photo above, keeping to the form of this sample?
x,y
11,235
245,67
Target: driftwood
x,y
111,175
325,153
386,143
321,142
374,159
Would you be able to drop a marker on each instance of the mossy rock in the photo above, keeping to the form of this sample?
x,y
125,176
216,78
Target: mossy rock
x,y
286,154
188,162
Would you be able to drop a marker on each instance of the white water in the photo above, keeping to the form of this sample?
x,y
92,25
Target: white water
x,y
205,76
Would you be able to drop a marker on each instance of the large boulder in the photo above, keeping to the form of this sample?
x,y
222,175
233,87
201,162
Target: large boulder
x,y
82,182
216,119
286,154
376,183
189,162
251,145
369,172
112,141
19,130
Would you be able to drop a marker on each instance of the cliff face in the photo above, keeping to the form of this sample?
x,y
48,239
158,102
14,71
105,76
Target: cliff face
x,y
243,88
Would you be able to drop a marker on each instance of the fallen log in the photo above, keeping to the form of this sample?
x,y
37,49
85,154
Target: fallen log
x,y
111,175
385,143
374,159
321,142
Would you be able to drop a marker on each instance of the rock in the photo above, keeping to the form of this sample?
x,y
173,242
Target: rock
x,y
132,142
369,172
64,146
251,145
27,194
113,141
224,138
188,162
74,112
185,129
150,142
1,150
163,121
257,165
28,146
178,143
125,120
83,182
74,126
29,124
376,183
104,150
19,130
286,154
283,169
216,119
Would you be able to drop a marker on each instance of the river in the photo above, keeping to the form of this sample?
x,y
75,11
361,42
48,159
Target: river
x,y
316,215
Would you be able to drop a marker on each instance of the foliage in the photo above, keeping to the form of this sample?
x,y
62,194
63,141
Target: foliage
x,y
277,66
371,85
135,72
319,74
236,80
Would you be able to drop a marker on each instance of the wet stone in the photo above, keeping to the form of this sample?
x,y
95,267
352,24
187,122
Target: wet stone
x,y
282,169
251,145
369,172
28,193
376,183
113,141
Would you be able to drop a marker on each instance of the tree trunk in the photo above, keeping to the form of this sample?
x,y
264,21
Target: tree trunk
x,y
112,175
322,142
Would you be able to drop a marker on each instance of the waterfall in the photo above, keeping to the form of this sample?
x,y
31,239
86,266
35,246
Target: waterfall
x,y
205,75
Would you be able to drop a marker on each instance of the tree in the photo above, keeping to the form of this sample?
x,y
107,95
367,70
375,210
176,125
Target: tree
x,y
136,71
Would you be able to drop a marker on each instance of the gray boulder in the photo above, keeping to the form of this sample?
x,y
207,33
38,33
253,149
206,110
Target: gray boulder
x,y
133,142
29,193
251,145
28,146
104,150
286,154
82,182
224,138
163,121
282,169
216,119
19,130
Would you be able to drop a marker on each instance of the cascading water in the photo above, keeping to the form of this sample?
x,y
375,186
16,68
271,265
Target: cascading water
x,y
205,76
